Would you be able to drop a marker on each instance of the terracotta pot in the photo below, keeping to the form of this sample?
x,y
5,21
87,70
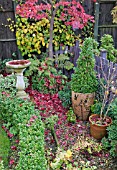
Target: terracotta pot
x,y
81,104
98,131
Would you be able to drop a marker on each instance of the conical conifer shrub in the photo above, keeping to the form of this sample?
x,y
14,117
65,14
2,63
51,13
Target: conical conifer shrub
x,y
84,77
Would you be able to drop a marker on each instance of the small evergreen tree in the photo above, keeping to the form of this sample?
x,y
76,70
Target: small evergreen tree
x,y
84,78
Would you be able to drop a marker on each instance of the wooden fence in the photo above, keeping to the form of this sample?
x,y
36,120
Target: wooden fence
x,y
7,38
102,65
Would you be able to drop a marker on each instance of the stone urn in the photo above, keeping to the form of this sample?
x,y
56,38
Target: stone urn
x,y
18,66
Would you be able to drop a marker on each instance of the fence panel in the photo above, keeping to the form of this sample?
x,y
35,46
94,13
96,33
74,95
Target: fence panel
x,y
7,37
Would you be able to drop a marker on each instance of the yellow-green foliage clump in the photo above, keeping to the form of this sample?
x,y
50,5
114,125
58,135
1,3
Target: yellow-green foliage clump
x,y
33,36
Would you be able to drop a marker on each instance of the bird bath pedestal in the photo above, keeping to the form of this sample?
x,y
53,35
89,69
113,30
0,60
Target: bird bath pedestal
x,y
18,67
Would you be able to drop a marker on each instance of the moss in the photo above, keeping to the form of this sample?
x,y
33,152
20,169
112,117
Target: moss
x,y
4,146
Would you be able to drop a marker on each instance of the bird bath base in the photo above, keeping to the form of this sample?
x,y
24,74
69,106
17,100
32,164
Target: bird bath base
x,y
19,66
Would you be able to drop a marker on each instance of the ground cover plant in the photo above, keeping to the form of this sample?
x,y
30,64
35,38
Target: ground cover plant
x,y
20,119
4,146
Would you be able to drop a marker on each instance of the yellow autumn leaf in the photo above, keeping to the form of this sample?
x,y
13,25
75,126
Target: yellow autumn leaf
x,y
8,19
41,39
36,45
34,40
18,42
116,91
23,19
20,24
40,34
68,154
67,37
25,31
17,34
39,52
55,43
55,30
60,31
48,25
47,45
22,42
28,47
43,43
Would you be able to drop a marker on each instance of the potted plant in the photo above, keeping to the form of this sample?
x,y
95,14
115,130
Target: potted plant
x,y
108,85
84,82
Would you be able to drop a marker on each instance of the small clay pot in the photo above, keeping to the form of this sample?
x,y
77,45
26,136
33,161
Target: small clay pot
x,y
96,130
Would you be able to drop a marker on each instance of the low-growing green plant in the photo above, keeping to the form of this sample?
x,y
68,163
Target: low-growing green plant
x,y
110,143
4,147
47,79
8,84
3,65
71,117
1,165
62,157
23,120
33,68
65,95
63,61
31,145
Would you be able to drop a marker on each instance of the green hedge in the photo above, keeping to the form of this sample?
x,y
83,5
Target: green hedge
x,y
24,121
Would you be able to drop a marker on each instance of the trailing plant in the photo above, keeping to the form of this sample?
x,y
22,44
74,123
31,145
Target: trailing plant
x,y
107,43
84,77
65,95
110,143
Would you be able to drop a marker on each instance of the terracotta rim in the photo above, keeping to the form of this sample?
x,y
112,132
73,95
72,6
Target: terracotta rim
x,y
108,124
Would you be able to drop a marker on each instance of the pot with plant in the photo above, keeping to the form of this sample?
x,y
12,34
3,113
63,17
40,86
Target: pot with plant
x,y
84,81
108,85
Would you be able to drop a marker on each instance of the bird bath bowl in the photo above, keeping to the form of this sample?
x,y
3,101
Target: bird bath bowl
x,y
18,66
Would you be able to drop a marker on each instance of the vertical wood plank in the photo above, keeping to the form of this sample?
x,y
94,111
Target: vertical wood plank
x,y
96,20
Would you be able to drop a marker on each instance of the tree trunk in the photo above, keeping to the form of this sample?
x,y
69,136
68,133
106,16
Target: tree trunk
x,y
51,37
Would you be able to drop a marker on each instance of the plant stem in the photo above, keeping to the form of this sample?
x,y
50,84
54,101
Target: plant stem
x,y
54,136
